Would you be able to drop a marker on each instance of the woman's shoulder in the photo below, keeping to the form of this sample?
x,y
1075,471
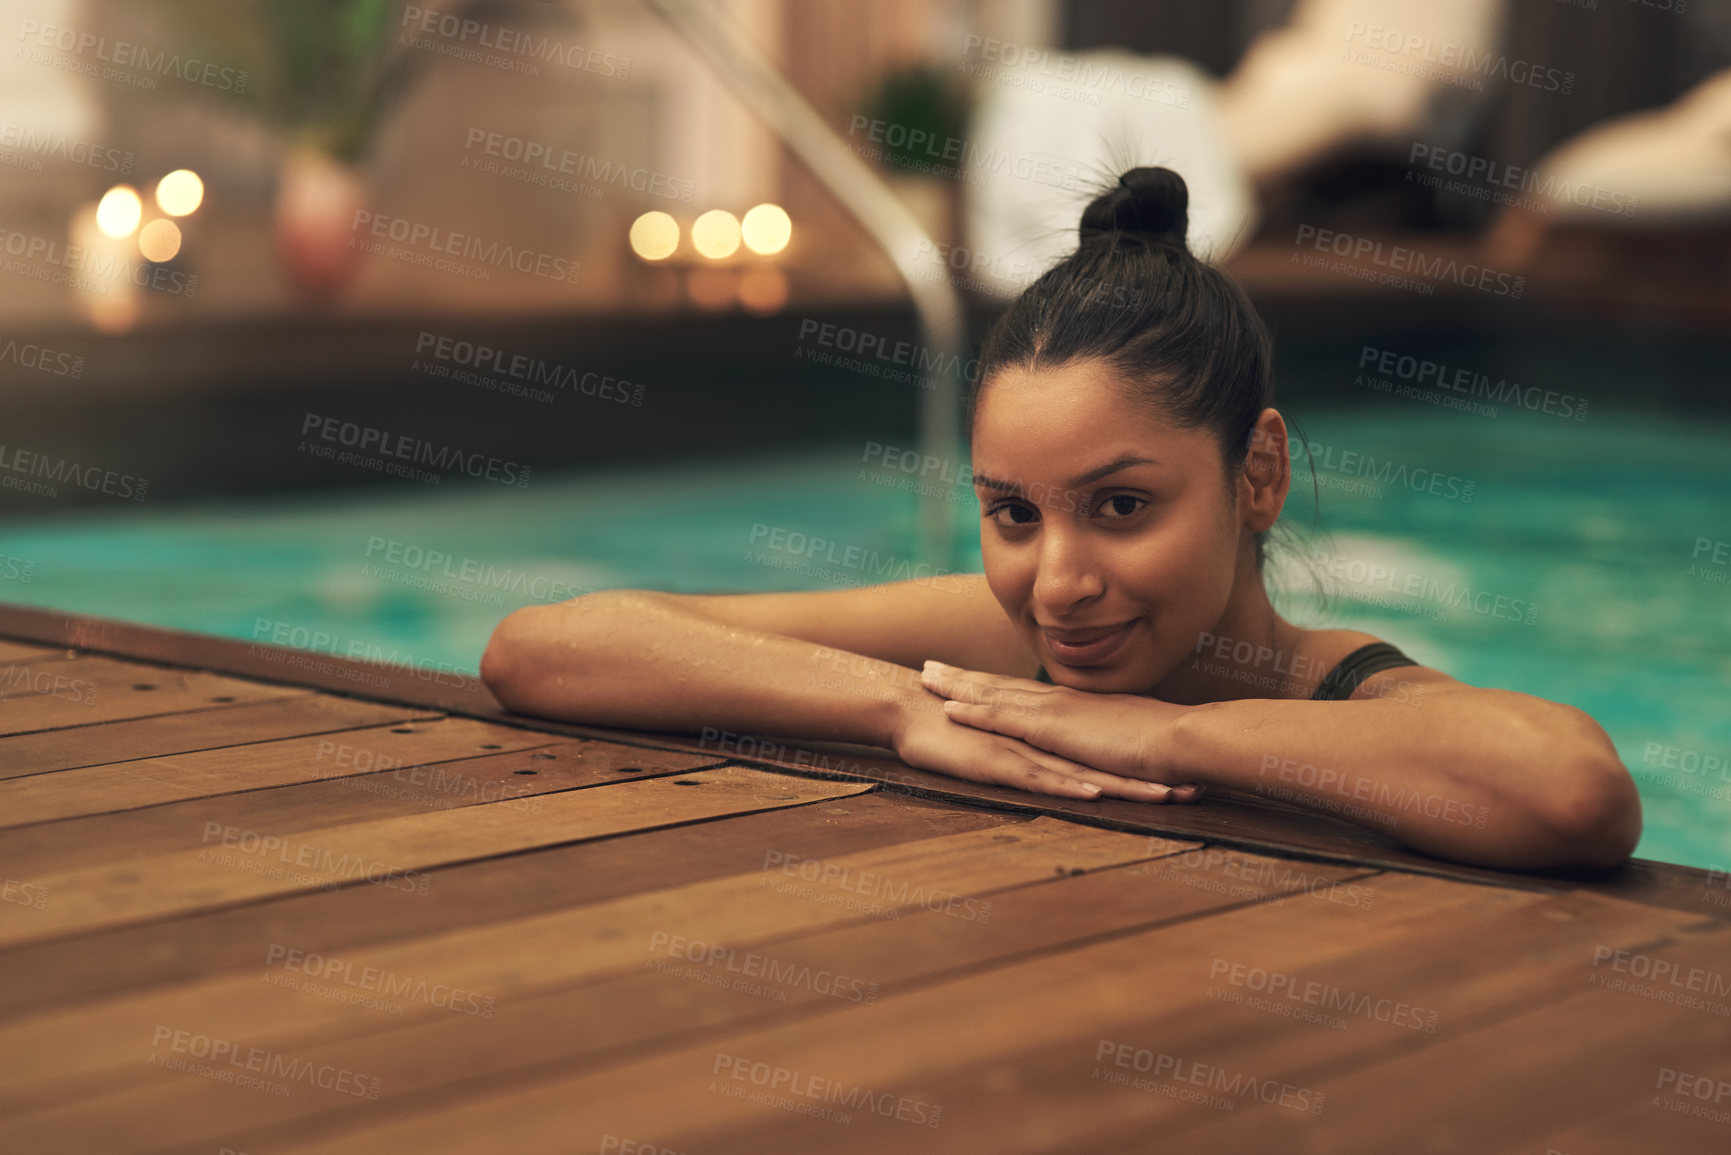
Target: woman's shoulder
x,y
1352,663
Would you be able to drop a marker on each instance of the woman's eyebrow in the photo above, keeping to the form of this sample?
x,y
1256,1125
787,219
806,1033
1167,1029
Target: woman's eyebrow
x,y
984,481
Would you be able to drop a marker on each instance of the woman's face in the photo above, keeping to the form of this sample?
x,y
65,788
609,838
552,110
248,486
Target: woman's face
x,y
1100,521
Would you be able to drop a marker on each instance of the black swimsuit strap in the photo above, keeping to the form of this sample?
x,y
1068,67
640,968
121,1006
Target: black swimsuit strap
x,y
1344,678
1356,667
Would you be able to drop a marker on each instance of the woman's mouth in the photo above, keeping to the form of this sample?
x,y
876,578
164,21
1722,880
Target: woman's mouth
x,y
1084,647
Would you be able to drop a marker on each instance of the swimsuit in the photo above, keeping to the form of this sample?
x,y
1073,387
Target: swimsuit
x,y
1345,677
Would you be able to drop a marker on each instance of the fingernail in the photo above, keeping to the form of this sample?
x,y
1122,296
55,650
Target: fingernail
x,y
1091,789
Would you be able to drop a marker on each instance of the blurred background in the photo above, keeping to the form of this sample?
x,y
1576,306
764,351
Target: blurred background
x,y
355,324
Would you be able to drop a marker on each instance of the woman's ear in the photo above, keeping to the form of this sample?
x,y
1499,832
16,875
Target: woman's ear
x,y
1267,472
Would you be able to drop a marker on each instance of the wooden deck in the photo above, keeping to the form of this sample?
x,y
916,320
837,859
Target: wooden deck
x,y
259,902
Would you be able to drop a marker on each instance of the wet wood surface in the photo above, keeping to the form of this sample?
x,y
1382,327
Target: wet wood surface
x,y
250,907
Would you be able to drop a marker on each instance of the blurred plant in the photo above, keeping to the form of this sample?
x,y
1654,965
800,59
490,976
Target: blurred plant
x,y
324,70
918,99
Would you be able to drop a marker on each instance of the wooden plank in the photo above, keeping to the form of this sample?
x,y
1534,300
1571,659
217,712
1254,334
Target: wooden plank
x,y
51,974
1566,1054
652,1007
972,1045
516,778
396,852
119,786
70,674
1456,967
94,1046
11,651
1652,1122
223,726
268,663
1226,818
158,690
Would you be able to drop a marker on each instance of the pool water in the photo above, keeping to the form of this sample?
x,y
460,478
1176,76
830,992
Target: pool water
x,y
1566,568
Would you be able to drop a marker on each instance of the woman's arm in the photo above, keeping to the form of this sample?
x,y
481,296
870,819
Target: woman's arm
x,y
1491,777
653,661
643,660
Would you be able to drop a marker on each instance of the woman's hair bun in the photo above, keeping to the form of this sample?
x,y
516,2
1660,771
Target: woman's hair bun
x,y
1149,202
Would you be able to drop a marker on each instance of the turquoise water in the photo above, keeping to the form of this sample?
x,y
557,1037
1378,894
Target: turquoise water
x,y
1567,574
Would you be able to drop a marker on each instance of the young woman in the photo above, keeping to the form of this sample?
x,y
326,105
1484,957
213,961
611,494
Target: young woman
x,y
1129,466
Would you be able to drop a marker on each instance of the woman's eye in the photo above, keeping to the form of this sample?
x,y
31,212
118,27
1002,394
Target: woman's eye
x,y
1121,505
1019,514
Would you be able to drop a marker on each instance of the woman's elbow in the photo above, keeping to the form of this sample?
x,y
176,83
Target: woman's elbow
x,y
508,661
1598,813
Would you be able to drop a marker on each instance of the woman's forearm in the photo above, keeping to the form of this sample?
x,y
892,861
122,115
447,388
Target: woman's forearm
x,y
1483,776
639,660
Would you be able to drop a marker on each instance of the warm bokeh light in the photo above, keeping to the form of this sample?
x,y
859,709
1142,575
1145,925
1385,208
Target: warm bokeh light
x,y
180,192
159,240
767,229
118,212
654,236
711,288
763,291
715,234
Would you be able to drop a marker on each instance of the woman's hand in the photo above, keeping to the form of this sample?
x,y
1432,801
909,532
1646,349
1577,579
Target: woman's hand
x,y
1119,735
928,740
